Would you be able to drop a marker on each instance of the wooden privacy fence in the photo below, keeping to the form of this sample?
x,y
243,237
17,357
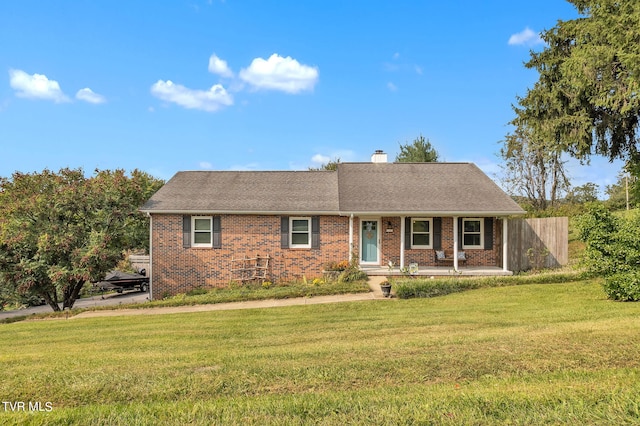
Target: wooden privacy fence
x,y
538,243
139,262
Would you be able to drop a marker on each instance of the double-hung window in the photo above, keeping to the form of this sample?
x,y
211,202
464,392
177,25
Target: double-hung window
x,y
472,233
201,231
421,230
300,232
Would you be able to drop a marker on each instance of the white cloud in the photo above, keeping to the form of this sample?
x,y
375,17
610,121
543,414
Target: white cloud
x,y
210,100
317,160
219,66
90,96
418,69
205,165
36,86
278,73
392,87
320,159
525,37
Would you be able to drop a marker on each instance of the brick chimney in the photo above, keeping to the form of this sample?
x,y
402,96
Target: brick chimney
x,y
379,156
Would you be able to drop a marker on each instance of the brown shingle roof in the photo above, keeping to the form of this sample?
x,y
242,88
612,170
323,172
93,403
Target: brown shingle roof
x,y
362,188
248,192
445,188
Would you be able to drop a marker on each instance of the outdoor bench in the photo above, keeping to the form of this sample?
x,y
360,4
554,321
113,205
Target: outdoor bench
x,y
446,256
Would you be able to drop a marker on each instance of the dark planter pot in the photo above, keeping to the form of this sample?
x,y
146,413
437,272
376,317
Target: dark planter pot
x,y
386,289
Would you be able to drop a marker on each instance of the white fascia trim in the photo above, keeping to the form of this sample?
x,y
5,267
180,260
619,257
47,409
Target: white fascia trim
x,y
342,213
262,213
436,214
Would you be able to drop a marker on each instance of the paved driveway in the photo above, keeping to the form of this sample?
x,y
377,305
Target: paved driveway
x,y
105,300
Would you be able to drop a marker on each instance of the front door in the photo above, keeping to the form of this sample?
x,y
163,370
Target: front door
x,y
369,239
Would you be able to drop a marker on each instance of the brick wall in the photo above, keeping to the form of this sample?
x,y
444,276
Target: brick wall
x,y
177,270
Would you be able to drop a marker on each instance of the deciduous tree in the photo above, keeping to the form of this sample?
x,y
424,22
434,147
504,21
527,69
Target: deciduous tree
x,y
583,194
61,230
533,169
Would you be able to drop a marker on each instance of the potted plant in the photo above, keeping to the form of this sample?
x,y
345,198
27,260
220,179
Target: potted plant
x,y
385,286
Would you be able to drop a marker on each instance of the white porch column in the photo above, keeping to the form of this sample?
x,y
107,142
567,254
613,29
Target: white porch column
x,y
150,271
455,243
350,237
505,245
402,219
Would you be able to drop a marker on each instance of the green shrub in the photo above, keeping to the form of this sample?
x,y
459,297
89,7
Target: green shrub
x,y
415,288
612,249
352,275
623,286
612,241
432,288
197,291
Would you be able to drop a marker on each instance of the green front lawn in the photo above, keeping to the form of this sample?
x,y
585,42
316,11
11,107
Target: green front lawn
x,y
529,354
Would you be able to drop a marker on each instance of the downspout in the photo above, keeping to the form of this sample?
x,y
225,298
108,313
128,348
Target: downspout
x,y
402,242
351,237
150,272
455,243
505,245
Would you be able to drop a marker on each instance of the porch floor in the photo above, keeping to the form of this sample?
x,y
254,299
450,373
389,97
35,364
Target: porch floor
x,y
439,271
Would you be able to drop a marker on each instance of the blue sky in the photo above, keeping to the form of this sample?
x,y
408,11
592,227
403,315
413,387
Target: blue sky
x,y
263,85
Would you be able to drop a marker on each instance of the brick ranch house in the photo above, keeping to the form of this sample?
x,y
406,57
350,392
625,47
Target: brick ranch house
x,y
203,221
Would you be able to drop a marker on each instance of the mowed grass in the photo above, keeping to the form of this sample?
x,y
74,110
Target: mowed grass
x,y
531,354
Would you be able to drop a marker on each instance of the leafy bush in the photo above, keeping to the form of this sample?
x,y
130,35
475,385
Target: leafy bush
x,y
623,286
612,242
417,288
432,288
612,249
337,266
352,275
351,270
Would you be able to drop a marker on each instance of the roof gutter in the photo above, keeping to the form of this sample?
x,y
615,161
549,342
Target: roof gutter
x,y
342,213
437,213
242,212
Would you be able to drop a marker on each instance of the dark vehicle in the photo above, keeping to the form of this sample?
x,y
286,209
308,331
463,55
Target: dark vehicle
x,y
120,281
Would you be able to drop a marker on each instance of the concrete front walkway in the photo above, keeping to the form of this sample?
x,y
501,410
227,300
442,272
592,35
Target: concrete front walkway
x,y
375,293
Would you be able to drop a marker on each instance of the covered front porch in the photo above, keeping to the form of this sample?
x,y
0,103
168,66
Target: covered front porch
x,y
405,241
